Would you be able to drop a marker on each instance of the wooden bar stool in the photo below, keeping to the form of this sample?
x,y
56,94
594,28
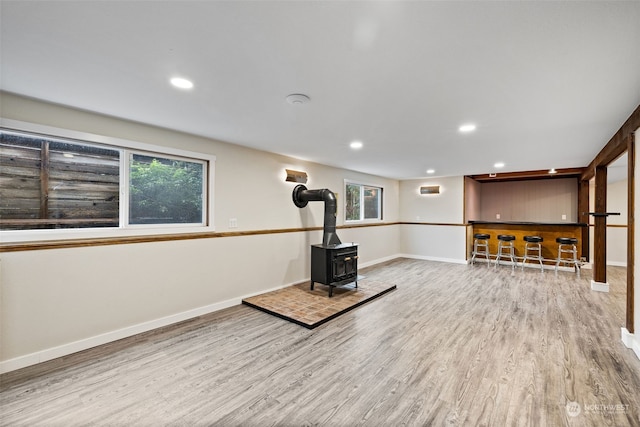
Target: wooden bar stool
x,y
568,253
505,242
533,250
481,247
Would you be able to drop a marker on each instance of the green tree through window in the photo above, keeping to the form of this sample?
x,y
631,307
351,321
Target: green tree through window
x,y
165,191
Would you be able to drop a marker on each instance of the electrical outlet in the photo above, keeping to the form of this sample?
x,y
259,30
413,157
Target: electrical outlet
x,y
233,223
497,216
564,217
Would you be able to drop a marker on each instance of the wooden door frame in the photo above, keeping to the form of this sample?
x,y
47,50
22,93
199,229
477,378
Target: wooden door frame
x,y
623,141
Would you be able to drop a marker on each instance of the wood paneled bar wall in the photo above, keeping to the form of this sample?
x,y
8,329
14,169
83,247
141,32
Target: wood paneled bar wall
x,y
548,231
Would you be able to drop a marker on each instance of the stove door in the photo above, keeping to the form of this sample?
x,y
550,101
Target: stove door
x,y
345,266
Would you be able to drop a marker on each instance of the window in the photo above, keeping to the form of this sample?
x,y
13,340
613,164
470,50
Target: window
x,y
362,202
165,191
50,182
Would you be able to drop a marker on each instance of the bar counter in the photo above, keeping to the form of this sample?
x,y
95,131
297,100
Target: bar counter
x,y
548,231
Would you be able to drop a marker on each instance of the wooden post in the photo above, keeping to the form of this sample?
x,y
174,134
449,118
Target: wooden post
x,y
600,231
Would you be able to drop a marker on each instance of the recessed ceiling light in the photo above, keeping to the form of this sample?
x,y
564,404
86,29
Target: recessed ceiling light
x,y
430,171
181,83
468,127
356,145
498,165
297,99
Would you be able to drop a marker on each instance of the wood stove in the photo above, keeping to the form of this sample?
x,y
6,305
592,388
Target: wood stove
x,y
333,263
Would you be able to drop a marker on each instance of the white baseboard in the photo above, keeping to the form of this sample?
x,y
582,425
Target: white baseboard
x,y
438,259
617,263
84,344
599,286
589,265
631,341
87,343
379,261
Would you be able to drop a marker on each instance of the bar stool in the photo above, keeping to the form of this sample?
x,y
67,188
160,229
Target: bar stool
x,y
481,247
568,253
505,242
533,245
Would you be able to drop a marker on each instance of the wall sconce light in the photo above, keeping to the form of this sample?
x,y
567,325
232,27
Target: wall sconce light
x,y
430,189
296,176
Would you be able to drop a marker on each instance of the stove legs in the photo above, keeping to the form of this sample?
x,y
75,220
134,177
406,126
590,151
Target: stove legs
x,y
331,287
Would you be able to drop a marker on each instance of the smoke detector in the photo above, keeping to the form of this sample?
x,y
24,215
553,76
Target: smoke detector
x,y
297,99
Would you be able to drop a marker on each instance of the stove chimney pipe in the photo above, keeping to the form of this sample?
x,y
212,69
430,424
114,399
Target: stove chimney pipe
x,y
301,196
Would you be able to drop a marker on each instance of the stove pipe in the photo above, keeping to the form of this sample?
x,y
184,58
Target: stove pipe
x,y
301,196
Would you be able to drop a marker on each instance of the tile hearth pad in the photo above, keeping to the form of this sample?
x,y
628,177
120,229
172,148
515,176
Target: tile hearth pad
x,y
311,309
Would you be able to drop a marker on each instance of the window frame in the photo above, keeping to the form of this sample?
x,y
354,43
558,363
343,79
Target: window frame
x,y
126,149
363,220
125,196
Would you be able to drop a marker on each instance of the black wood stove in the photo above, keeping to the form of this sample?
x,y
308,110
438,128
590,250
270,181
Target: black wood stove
x,y
333,263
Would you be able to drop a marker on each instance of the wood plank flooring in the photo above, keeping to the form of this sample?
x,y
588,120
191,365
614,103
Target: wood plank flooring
x,y
453,345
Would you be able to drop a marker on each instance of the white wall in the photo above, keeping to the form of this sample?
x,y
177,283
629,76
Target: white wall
x,y
616,225
57,301
434,242
445,208
440,233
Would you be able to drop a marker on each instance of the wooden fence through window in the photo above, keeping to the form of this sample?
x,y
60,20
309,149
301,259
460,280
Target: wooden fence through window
x,y
51,183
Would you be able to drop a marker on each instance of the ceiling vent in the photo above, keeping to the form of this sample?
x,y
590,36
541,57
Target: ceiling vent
x,y
297,99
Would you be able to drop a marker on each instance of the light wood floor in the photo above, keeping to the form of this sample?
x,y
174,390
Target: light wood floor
x,y
453,345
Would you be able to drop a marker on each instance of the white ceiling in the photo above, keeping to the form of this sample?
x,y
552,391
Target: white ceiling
x,y
547,83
